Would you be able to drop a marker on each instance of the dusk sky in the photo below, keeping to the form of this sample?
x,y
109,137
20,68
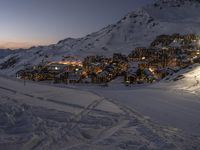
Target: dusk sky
x,y
39,22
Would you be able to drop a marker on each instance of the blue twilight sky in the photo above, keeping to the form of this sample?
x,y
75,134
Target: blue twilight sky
x,y
32,22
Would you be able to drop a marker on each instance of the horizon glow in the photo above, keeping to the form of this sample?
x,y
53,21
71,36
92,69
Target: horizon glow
x,y
26,23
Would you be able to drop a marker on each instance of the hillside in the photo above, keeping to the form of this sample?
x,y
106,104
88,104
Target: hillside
x,y
5,52
187,79
136,29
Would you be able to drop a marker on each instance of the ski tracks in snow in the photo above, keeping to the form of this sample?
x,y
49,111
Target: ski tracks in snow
x,y
77,118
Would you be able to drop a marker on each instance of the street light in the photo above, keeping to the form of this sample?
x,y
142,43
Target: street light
x,y
198,43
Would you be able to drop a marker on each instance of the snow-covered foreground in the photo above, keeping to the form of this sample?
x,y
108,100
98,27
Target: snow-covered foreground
x,y
170,108
173,102
46,117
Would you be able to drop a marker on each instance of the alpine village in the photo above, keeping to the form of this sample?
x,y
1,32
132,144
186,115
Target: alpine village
x,y
166,55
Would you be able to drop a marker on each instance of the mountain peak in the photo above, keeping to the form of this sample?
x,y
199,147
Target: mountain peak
x,y
137,14
175,3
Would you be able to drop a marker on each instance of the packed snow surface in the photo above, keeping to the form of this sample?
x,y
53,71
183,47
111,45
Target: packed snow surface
x,y
174,101
39,116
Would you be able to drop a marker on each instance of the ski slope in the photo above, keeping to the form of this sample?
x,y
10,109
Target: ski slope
x,y
166,107
175,101
38,116
187,79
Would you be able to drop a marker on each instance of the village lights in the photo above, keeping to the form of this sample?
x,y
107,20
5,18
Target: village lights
x,y
73,63
142,65
164,48
151,69
195,57
198,43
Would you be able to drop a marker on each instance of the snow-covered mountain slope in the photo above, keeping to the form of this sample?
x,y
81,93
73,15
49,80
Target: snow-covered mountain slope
x,y
187,79
138,28
5,52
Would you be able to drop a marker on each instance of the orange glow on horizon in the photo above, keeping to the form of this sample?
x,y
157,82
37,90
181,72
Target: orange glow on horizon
x,y
20,43
15,45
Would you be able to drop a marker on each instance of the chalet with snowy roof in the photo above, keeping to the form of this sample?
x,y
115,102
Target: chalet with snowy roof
x,y
117,57
73,77
103,77
130,76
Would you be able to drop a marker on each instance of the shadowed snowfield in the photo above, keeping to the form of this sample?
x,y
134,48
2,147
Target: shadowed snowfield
x,y
39,116
175,101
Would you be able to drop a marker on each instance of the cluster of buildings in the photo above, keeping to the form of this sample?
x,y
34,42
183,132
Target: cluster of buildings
x,y
101,69
62,71
166,55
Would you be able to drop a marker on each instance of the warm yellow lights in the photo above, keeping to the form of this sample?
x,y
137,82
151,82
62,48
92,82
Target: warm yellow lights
x,y
151,69
198,42
195,57
73,63
143,58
